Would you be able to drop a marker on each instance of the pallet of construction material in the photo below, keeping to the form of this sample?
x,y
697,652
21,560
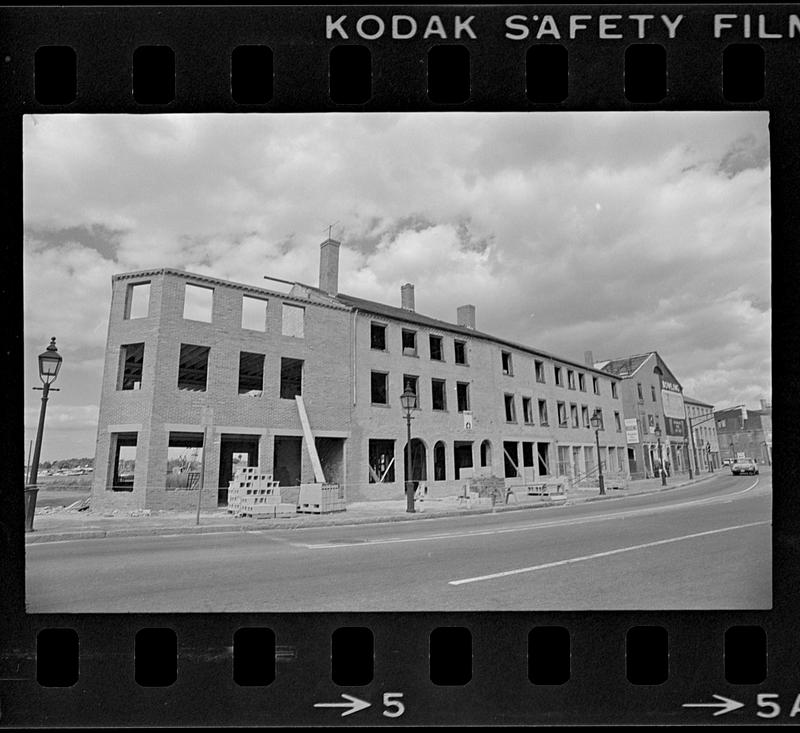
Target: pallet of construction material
x,y
321,498
245,483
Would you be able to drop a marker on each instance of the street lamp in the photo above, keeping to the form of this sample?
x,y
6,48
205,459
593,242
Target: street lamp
x,y
596,423
657,431
49,365
408,400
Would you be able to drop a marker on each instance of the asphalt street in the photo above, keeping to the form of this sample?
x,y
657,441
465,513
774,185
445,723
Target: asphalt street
x,y
706,546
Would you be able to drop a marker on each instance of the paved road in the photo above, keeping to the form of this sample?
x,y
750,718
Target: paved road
x,y
706,546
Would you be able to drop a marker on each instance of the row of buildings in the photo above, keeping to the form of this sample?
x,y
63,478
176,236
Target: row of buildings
x,y
204,376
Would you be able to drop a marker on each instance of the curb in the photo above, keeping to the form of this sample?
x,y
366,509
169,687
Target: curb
x,y
259,525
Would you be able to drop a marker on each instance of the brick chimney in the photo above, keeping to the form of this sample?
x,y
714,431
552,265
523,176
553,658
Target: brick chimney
x,y
465,316
329,266
407,296
588,358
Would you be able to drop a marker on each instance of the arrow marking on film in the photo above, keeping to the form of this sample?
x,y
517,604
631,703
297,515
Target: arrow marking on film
x,y
353,703
726,704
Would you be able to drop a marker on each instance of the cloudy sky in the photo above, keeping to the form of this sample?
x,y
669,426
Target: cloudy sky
x,y
618,233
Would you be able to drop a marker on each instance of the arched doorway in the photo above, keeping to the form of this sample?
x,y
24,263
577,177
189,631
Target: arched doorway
x,y
486,454
439,462
419,461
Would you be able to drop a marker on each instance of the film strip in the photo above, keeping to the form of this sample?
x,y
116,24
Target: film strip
x,y
397,667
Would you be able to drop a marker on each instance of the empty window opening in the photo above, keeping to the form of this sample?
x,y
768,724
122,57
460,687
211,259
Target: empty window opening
x,y
539,369
573,411
557,372
381,461
543,412
486,454
436,348
291,378
653,392
617,422
292,320
198,302
510,459
511,413
595,385
462,456
599,414
184,460
131,362
614,393
582,382
438,394
193,367
410,382
409,342
462,396
416,460
439,462
460,352
585,416
254,313
527,410
527,454
331,458
237,451
379,392
505,358
123,446
287,460
137,300
377,336
251,373
561,407
639,390
570,379
543,451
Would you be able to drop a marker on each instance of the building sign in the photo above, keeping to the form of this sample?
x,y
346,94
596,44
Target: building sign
x,y
632,430
674,427
674,409
467,420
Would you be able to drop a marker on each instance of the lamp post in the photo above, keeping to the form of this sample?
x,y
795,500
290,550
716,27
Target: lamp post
x,y
49,365
596,423
657,431
708,458
732,448
408,400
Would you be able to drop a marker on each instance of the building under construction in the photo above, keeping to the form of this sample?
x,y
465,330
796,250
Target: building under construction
x,y
205,376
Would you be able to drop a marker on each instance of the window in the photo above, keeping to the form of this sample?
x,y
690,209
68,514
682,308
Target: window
x,y
184,460
561,408
251,373
582,382
617,422
438,394
462,396
595,385
505,358
539,369
193,367
651,421
639,390
291,378
527,454
460,350
197,303
570,379
436,348
614,392
557,372
585,416
573,411
409,343
379,388
381,461
137,300
377,336
643,423
292,320
527,410
543,451
511,414
131,361
543,412
410,382
653,392
254,313
123,448
439,465
486,454
599,414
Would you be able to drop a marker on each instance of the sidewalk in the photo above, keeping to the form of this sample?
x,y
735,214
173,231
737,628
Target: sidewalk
x,y
62,524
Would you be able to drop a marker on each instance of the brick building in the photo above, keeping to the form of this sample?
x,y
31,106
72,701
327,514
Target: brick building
x,y
705,446
652,398
203,376
745,432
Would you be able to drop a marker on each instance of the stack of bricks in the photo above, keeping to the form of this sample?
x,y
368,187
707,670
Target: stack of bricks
x,y
255,494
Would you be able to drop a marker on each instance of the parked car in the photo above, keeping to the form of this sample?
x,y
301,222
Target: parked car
x,y
744,465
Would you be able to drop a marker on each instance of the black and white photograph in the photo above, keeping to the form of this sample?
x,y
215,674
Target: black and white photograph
x,y
461,361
